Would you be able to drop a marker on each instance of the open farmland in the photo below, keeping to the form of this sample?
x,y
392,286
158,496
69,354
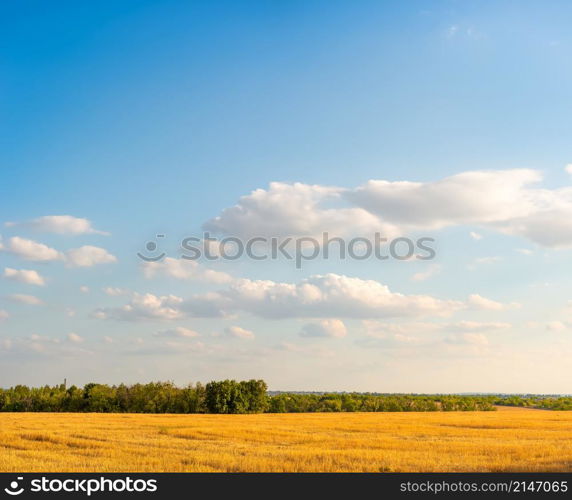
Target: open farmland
x,y
510,439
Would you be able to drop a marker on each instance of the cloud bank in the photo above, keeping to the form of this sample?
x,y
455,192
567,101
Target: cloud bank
x,y
507,201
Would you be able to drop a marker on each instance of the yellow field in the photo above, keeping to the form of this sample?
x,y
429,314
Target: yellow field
x,y
506,440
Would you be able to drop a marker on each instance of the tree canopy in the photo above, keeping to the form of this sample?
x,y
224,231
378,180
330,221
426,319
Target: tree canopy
x,y
233,397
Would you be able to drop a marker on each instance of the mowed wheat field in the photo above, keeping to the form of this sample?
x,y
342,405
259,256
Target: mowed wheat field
x,y
505,440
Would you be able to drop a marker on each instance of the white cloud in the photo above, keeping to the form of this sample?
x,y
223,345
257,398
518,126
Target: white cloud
x,y
508,201
25,299
107,340
483,197
431,271
142,307
32,250
85,256
178,332
476,236
333,328
84,289
568,168
329,295
293,209
27,276
239,333
4,315
319,296
58,224
88,256
183,269
478,302
114,291
75,338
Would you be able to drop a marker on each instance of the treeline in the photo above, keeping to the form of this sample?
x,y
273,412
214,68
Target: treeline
x,y
350,402
228,396
558,403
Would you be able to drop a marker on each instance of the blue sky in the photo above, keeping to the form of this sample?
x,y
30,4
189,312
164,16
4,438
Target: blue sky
x,y
150,118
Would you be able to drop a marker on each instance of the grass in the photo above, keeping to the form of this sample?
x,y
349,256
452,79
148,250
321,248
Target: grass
x,y
507,440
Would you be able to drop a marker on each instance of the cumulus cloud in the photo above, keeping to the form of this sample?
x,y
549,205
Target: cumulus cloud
x,y
319,296
476,236
145,307
183,269
4,315
58,224
292,209
31,250
25,299
178,332
332,328
239,333
508,201
476,301
328,295
27,276
88,256
465,198
85,256
75,338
